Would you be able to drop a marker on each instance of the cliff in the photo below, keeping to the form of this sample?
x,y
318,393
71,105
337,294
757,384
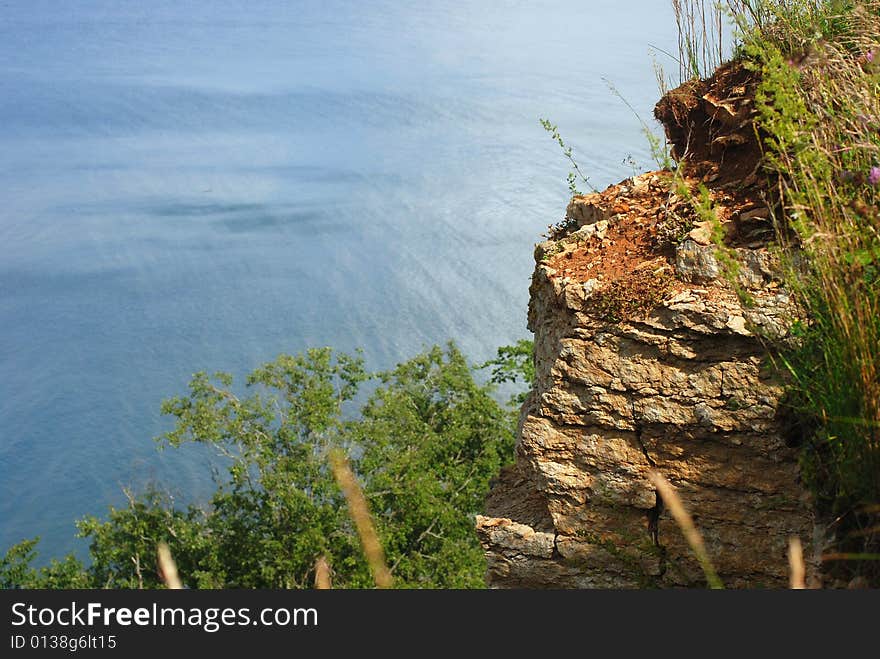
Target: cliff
x,y
651,350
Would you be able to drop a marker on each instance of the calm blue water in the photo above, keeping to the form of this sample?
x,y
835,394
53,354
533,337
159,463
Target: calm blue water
x,y
193,186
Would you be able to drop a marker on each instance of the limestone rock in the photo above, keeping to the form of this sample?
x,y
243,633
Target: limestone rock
x,y
585,210
681,387
696,263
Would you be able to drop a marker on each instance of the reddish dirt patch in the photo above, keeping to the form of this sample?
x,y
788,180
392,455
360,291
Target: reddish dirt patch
x,y
622,255
636,225
626,245
638,211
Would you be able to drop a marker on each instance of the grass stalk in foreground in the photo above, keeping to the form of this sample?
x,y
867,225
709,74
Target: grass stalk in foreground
x,y
796,563
322,574
685,522
360,514
168,568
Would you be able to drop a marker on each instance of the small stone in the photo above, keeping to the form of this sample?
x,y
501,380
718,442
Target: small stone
x,y
761,212
684,297
701,233
544,250
696,263
585,232
703,414
590,286
585,209
738,325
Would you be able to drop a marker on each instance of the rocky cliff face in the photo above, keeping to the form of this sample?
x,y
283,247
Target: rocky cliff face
x,y
651,354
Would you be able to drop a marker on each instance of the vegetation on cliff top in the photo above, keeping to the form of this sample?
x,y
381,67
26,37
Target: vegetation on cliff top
x,y
817,117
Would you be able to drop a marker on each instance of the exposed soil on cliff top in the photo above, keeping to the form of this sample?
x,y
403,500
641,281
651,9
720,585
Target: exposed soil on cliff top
x,y
628,236
643,220
619,235
710,127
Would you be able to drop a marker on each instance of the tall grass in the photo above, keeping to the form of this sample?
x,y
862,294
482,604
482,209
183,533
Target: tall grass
x,y
167,567
797,569
322,574
818,114
700,47
820,107
702,33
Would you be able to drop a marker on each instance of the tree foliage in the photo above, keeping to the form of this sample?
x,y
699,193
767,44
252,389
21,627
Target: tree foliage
x,y
424,446
515,363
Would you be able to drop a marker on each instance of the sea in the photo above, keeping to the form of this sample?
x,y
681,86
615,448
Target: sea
x,y
190,186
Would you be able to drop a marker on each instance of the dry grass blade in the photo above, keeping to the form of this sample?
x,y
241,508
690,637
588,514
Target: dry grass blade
x,y
168,568
360,514
681,516
700,37
322,574
796,563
